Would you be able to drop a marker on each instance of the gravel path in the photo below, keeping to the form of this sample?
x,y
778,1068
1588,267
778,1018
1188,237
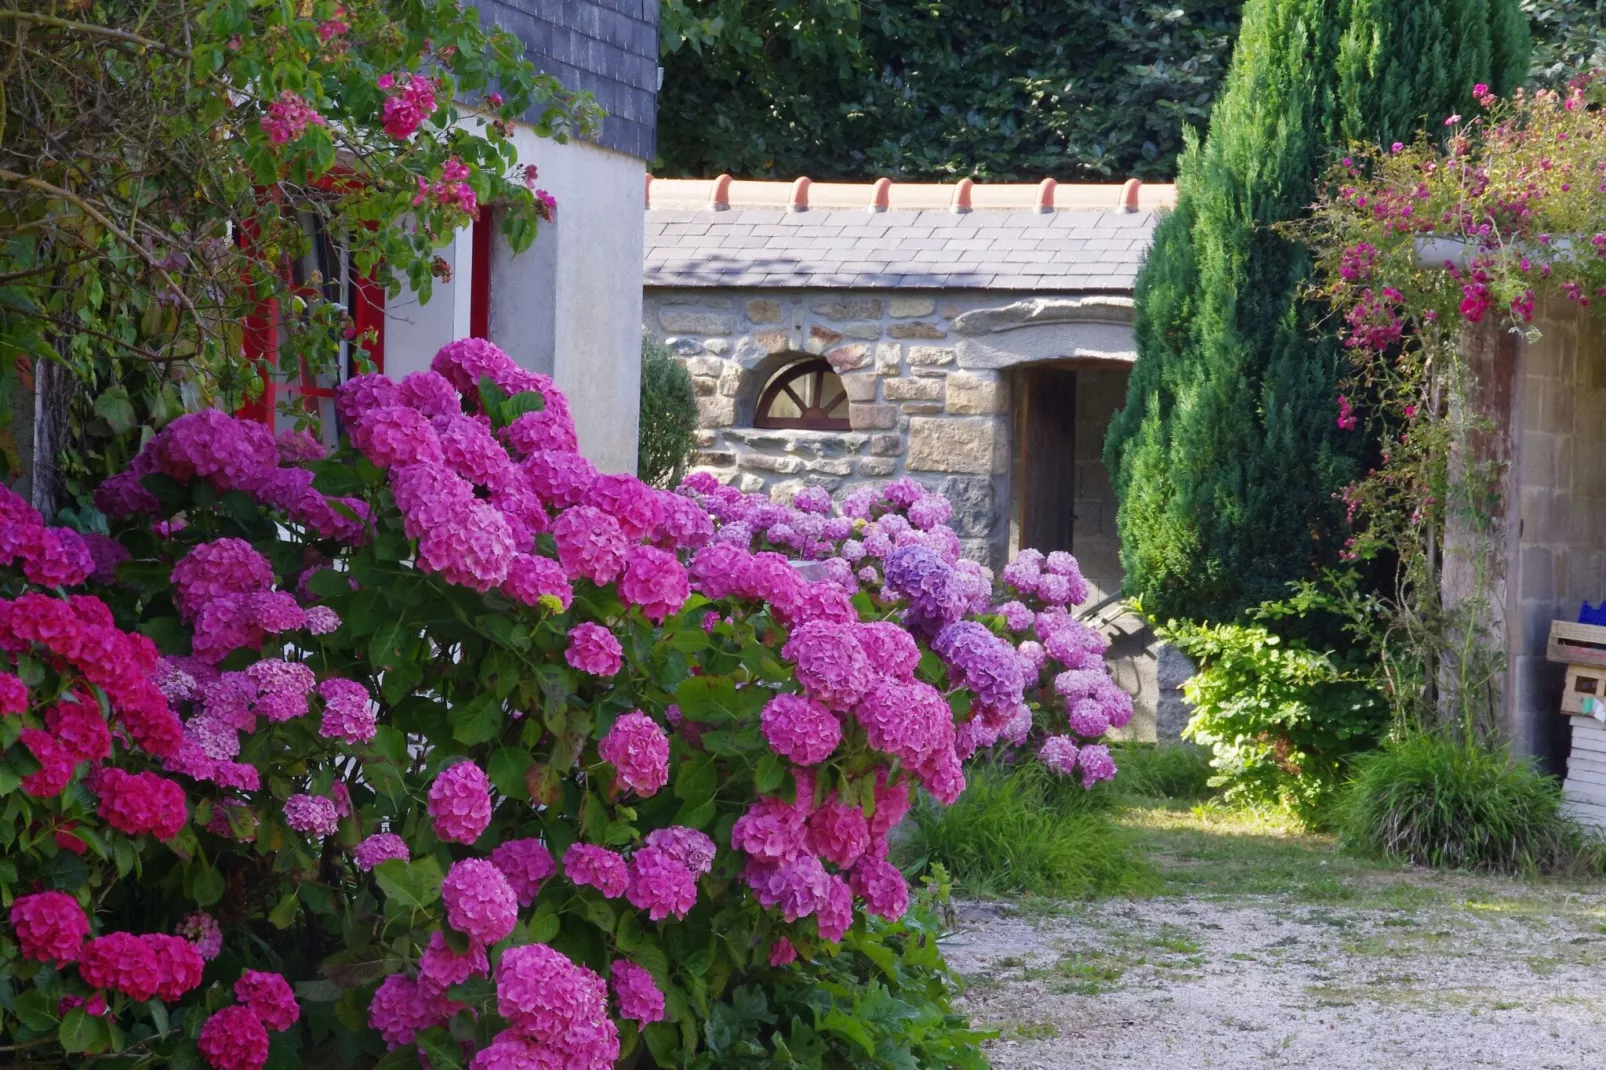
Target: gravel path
x,y
1440,974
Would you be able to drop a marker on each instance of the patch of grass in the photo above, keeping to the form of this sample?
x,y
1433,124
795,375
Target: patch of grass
x,y
1022,829
1179,771
1451,803
1032,1031
1081,973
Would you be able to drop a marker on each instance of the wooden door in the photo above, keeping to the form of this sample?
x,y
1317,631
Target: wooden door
x,y
1048,459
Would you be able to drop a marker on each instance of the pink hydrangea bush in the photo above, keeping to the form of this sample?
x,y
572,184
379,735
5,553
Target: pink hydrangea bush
x,y
479,730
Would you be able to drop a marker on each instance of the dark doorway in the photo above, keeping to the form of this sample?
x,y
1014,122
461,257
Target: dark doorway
x,y
1048,458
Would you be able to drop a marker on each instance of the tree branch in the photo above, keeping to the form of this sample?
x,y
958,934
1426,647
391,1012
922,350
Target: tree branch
x,y
89,28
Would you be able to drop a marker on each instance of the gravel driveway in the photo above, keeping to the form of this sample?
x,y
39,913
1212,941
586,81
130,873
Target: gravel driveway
x,y
1423,973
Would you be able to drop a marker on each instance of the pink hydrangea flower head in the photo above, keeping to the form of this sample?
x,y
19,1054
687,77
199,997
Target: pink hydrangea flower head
x,y
139,803
834,917
13,694
460,803
654,580
839,833
215,569
629,501
531,578
57,557
1087,718
431,393
400,1010
405,110
597,867
178,963
690,848
593,649
545,996
549,431
830,663
469,449
234,1039
796,887
380,847
1095,764
440,966
590,543
269,997
362,394
313,815
882,887
559,477
202,930
889,648
659,884
639,752
800,729
479,902
282,688
348,714
782,953
122,962
50,927
640,998
80,729
771,830
525,863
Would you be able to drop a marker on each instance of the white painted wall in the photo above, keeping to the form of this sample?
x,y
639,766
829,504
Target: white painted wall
x,y
569,306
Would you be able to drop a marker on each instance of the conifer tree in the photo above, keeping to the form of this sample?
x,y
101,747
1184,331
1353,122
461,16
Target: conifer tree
x,y
1227,455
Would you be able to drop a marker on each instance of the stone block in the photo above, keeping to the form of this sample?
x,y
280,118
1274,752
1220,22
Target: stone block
x,y
773,341
763,310
918,329
685,347
821,339
886,445
681,321
836,466
970,394
973,501
922,408
730,381
763,462
704,387
908,307
848,357
750,483
949,310
877,466
912,390
706,439
930,356
847,308
865,416
888,358
704,365
716,411
867,330
717,346
977,550
717,458
859,387
929,373
966,444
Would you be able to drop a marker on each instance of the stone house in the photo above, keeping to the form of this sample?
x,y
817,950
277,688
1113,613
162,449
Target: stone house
x,y
977,337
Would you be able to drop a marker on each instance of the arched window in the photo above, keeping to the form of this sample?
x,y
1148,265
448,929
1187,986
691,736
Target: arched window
x,y
807,395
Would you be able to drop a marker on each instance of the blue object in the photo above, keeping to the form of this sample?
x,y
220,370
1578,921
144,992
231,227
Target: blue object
x,y
1593,614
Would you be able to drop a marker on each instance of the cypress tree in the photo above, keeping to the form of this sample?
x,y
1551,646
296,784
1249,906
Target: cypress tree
x,y
1227,455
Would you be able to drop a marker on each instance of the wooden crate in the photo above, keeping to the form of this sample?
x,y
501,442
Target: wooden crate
x,y
1585,787
1577,644
1585,690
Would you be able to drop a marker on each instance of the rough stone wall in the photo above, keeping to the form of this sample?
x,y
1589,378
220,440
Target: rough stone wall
x,y
913,410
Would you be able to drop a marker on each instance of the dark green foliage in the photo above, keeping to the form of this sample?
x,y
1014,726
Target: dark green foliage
x,y
1227,455
1439,800
1024,829
1281,720
1008,89
668,435
1163,770
1569,36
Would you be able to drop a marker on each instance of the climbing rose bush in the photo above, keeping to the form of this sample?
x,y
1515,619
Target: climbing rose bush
x,y
445,745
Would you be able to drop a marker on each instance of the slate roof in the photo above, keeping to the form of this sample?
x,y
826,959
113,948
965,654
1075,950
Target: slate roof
x,y
1092,239
608,47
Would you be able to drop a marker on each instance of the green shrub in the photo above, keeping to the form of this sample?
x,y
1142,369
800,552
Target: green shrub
x,y
1440,800
1227,454
668,435
1163,770
1281,720
1024,830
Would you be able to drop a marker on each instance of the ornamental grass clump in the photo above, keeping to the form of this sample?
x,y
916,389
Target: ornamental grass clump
x,y
450,731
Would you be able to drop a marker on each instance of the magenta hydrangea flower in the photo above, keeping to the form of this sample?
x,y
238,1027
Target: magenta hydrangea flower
x,y
121,962
590,543
690,848
559,477
796,887
1087,718
396,436
234,1039
830,663
800,729
1096,764
1059,753
380,847
479,901
13,694
312,814
525,863
628,500
660,884
782,952
639,752
202,930
430,393
771,830
556,1002
654,580
460,803
50,926
597,867
269,997
882,887
178,963
400,1010
440,967
593,649
640,998
139,803
531,578
348,714
839,833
